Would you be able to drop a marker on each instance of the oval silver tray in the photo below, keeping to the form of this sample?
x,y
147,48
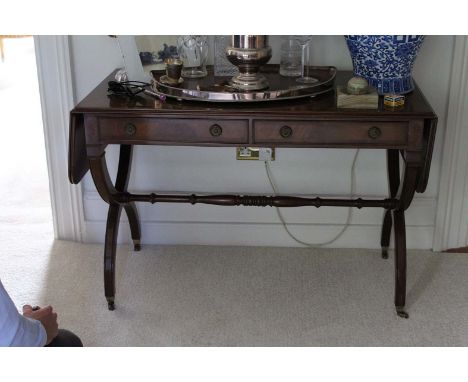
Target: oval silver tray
x,y
217,89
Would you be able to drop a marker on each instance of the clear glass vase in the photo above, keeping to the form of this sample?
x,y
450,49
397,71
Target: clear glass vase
x,y
193,51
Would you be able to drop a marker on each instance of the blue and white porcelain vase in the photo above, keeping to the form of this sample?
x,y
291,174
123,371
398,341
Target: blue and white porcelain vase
x,y
385,61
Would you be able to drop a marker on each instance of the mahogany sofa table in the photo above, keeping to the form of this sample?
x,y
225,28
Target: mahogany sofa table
x,y
100,120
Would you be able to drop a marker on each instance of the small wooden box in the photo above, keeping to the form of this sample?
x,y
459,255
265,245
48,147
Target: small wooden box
x,y
351,101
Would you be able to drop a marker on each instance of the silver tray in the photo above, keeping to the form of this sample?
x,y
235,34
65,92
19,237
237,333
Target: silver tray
x,y
217,89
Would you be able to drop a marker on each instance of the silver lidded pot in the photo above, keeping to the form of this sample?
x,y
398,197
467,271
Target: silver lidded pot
x,y
248,53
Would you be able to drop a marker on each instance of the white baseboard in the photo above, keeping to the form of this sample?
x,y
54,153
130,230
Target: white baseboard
x,y
274,235
256,226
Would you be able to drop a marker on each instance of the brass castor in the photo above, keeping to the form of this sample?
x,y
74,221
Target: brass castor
x,y
384,252
110,303
136,245
401,312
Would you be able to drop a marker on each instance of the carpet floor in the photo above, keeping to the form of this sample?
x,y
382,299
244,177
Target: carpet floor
x,y
245,296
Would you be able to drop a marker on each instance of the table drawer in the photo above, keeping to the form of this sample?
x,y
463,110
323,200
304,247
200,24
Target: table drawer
x,y
167,130
330,133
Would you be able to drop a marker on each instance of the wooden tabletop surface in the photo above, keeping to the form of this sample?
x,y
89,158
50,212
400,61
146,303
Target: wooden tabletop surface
x,y
416,105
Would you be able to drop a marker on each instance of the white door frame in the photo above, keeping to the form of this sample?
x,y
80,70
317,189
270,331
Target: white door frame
x,y
57,99
451,228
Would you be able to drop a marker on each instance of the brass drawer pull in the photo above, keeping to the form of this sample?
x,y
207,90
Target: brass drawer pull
x,y
374,132
130,129
216,130
285,131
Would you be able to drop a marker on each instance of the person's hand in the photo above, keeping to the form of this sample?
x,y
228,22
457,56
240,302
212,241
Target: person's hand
x,y
47,317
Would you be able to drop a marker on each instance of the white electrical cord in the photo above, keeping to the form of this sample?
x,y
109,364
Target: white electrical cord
x,y
348,219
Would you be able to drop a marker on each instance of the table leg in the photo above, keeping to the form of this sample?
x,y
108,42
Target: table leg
x,y
107,191
134,221
112,229
400,263
386,232
405,196
123,176
393,170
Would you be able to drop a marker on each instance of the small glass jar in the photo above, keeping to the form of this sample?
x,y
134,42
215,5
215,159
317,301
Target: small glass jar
x,y
193,51
291,57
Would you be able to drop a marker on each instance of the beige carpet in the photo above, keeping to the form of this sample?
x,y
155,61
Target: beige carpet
x,y
26,231
245,296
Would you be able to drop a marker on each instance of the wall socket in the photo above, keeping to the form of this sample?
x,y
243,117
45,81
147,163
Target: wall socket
x,y
255,153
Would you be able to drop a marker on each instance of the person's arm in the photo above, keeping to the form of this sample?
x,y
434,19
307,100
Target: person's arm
x,y
15,329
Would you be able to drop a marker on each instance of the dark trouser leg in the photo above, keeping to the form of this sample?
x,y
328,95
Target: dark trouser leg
x,y
65,338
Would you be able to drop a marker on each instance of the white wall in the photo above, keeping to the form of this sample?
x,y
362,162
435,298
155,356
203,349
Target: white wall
x,y
297,171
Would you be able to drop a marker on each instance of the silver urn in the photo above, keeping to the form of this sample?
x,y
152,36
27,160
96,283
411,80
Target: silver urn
x,y
248,53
